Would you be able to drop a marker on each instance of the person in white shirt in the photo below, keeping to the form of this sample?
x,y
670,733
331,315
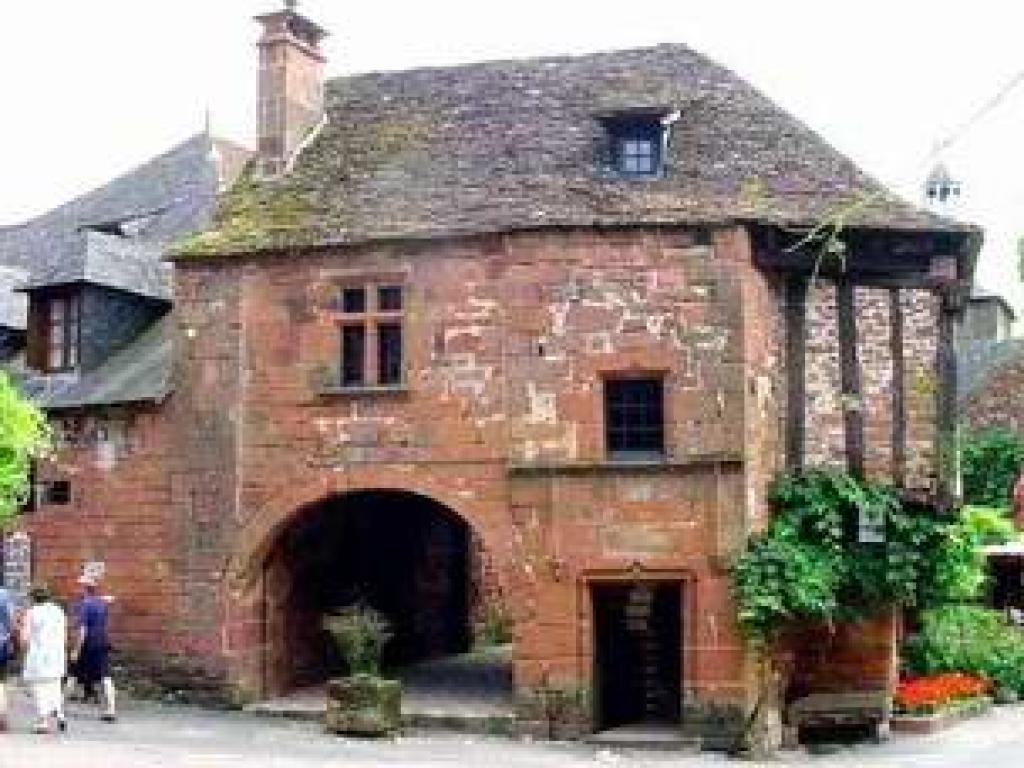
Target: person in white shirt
x,y
45,640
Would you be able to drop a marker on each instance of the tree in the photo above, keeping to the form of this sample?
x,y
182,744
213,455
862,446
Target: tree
x,y
24,436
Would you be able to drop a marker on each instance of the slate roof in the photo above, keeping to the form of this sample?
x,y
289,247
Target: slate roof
x,y
141,372
508,145
115,235
129,264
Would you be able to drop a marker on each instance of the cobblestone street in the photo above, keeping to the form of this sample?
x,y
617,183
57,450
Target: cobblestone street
x,y
150,736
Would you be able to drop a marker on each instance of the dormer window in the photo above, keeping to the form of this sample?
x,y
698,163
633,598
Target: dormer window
x,y
55,329
636,144
63,331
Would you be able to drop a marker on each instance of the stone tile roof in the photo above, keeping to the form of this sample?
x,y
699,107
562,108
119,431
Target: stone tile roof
x,y
509,145
116,235
140,372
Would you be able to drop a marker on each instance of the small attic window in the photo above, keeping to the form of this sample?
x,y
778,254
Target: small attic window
x,y
636,144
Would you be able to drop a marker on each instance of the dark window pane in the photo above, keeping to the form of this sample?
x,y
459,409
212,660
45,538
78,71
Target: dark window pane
x,y
353,356
389,299
74,317
353,300
637,147
64,315
634,413
57,492
389,354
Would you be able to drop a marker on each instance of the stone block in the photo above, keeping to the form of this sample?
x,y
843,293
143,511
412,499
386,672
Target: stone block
x,y
363,705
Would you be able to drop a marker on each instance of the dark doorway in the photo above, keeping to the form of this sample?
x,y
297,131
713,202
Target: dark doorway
x,y
637,652
402,554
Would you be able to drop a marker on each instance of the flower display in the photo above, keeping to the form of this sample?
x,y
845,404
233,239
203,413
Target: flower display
x,y
934,692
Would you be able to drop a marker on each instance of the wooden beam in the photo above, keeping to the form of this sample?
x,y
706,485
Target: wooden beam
x,y
852,401
899,401
796,352
945,394
907,268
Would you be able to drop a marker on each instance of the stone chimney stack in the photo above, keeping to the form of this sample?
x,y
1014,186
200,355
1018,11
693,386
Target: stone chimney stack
x,y
291,85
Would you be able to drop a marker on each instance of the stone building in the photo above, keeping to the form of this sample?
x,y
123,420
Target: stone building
x,y
522,339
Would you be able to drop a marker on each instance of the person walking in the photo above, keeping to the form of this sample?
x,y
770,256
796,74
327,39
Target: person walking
x,y
45,641
6,649
92,648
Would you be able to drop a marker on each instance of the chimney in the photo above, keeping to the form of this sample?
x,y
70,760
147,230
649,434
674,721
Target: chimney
x,y
291,85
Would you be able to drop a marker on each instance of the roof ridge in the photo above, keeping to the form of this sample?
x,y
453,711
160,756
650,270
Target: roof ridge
x,y
154,160
542,59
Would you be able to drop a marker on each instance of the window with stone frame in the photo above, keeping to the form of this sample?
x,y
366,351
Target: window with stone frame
x,y
635,418
56,338
372,335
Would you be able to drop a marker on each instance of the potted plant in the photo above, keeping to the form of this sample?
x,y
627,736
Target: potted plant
x,y
362,703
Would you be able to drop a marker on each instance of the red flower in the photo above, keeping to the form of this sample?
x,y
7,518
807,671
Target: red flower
x,y
933,692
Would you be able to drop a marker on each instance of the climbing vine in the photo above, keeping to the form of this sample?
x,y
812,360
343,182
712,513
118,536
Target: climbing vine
x,y
838,548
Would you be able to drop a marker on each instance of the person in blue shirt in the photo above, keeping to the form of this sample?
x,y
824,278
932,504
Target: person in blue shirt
x,y
92,647
7,627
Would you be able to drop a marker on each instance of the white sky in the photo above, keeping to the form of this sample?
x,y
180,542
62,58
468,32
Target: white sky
x,y
93,88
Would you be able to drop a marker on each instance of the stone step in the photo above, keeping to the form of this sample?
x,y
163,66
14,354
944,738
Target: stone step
x,y
646,737
489,723
482,724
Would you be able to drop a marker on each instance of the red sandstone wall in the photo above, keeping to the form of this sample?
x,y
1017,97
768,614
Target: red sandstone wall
x,y
119,514
508,340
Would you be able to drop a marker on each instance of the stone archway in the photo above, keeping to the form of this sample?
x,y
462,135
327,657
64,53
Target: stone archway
x,y
406,555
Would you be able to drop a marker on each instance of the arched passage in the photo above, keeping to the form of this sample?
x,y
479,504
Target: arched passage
x,y
407,556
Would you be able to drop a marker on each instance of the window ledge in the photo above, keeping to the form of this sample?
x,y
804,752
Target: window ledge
x,y
666,464
337,390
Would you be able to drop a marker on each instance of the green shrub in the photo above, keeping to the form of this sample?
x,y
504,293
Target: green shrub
x,y
24,435
961,638
991,460
360,634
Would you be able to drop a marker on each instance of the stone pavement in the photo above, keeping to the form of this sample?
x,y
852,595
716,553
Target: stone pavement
x,y
150,736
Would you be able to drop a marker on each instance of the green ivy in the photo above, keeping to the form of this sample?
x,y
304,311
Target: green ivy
x,y
990,461
809,564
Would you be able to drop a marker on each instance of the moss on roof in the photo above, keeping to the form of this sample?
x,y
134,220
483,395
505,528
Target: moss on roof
x,y
509,145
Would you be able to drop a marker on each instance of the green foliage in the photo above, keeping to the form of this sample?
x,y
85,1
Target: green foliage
x,y
24,435
809,563
496,628
988,525
360,633
960,638
991,460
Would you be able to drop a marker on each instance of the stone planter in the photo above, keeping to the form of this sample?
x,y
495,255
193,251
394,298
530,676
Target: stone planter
x,y
939,721
363,705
